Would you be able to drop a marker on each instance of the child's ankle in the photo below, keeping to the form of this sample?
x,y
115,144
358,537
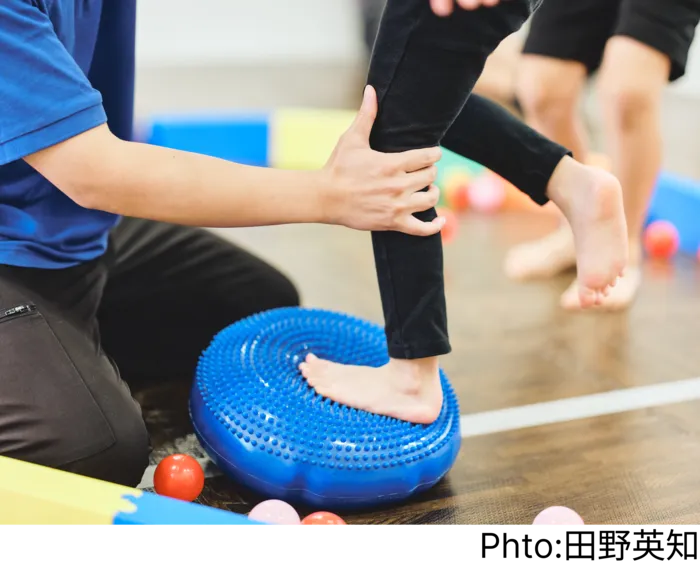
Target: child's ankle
x,y
418,367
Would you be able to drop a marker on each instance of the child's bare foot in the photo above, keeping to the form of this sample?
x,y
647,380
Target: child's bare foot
x,y
591,200
542,258
407,390
619,296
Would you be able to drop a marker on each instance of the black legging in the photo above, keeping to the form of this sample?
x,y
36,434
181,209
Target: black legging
x,y
424,68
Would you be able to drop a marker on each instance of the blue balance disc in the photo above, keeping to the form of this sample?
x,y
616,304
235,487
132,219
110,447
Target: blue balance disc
x,y
266,428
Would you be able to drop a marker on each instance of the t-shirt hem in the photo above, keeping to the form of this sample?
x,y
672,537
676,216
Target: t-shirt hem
x,y
50,135
15,255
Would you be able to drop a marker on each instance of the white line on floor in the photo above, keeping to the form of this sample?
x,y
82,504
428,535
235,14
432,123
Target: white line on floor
x,y
562,410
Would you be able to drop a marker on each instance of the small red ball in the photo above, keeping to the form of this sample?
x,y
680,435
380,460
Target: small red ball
x,y
661,240
457,191
323,518
179,476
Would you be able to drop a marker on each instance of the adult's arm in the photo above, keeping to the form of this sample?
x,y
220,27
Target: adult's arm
x,y
52,117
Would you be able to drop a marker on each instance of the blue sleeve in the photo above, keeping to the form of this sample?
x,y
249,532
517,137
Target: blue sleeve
x,y
114,76
45,98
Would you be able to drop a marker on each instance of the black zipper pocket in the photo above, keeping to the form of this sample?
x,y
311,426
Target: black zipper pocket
x,y
16,312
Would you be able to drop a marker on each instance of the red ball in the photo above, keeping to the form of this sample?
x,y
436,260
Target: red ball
x,y
458,198
323,518
661,240
179,476
457,191
449,230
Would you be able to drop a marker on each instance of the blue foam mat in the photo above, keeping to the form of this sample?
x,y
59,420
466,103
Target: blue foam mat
x,y
240,138
677,200
158,510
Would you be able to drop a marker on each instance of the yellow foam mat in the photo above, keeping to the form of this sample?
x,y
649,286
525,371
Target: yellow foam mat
x,y
35,495
305,138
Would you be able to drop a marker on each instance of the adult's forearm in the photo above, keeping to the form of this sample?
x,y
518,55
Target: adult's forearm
x,y
168,185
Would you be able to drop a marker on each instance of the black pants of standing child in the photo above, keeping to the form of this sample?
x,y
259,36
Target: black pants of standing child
x,y
424,68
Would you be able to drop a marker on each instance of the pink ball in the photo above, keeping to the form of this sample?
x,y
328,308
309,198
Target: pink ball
x,y
275,512
487,193
558,516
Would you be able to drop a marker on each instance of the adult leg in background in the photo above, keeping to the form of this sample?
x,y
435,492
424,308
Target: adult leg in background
x,y
62,401
423,68
170,289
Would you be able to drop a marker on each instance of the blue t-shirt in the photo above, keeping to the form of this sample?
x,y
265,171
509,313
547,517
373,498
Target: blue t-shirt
x,y
65,66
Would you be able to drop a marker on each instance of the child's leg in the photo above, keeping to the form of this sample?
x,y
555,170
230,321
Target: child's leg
x,y
565,42
589,198
412,290
423,68
649,47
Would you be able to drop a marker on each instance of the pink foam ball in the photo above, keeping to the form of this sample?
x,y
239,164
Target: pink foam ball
x,y
487,193
558,516
275,512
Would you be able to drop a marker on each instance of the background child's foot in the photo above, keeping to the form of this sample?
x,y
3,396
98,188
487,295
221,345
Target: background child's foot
x,y
542,258
408,390
619,297
591,200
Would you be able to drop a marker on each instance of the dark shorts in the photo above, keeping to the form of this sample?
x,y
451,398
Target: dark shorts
x,y
578,30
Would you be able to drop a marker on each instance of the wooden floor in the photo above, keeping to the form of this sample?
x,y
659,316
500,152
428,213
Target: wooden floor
x,y
514,346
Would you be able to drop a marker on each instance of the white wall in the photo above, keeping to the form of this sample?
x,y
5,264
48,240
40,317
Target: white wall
x,y
258,32
247,32
690,84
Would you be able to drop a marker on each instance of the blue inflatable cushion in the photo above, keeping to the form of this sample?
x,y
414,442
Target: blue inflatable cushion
x,y
265,427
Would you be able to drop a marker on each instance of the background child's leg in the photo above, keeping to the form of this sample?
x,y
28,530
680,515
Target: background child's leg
x,y
632,80
423,67
565,42
549,91
649,47
589,198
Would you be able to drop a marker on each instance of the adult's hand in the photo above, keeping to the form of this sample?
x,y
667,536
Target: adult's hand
x,y
369,190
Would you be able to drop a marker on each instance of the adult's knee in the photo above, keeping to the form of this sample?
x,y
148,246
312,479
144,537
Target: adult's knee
x,y
63,404
269,289
545,97
124,462
280,291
